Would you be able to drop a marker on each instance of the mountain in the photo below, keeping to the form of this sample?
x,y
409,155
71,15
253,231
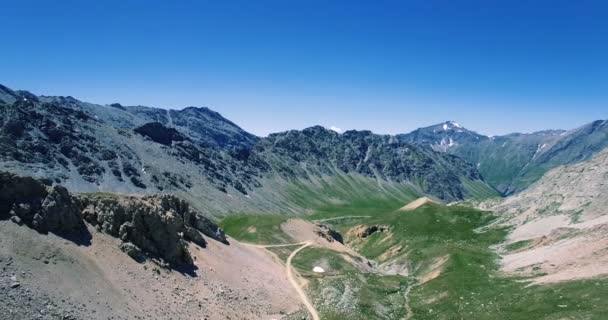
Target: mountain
x,y
208,160
443,137
512,162
318,151
91,148
130,212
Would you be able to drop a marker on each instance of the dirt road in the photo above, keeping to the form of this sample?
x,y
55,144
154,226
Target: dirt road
x,y
290,274
340,218
294,282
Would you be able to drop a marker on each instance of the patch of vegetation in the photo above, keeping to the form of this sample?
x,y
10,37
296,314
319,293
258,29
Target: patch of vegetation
x,y
261,229
344,292
477,190
469,286
431,232
518,245
331,261
344,195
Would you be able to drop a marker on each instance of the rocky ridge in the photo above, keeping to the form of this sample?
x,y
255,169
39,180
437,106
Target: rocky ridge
x,y
157,226
510,163
202,157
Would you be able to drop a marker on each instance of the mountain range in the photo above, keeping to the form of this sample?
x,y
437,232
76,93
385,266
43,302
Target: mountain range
x,y
210,161
207,159
512,162
132,212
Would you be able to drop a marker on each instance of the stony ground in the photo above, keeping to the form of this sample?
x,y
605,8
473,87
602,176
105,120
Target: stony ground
x,y
48,277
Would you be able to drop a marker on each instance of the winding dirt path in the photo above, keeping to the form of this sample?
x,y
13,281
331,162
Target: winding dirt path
x,y
296,285
340,218
290,273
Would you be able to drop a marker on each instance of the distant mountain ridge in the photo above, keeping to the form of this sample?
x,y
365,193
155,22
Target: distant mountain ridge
x,y
512,162
208,160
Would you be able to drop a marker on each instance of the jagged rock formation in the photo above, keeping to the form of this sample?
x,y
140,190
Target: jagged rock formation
x,y
364,231
155,226
512,162
328,233
159,225
42,207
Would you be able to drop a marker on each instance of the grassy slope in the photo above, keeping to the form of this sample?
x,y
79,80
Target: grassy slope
x,y
470,286
344,292
349,195
263,229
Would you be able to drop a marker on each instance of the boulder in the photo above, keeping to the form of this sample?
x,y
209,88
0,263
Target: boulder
x,y
41,207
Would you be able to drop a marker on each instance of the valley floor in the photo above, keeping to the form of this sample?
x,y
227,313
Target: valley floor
x,y
427,262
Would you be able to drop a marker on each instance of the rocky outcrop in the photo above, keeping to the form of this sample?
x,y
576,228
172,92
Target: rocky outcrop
x,y
363,231
41,207
159,133
328,233
157,226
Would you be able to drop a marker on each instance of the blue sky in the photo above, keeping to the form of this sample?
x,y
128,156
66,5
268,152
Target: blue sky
x,y
388,66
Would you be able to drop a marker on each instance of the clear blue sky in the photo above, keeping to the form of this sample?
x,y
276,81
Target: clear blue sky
x,y
389,66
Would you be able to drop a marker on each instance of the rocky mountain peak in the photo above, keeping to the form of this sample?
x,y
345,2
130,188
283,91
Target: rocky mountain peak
x,y
442,136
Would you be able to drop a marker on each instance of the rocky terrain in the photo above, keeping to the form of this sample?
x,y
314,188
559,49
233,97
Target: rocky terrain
x,y
157,226
560,224
512,162
113,212
202,157
107,256
317,151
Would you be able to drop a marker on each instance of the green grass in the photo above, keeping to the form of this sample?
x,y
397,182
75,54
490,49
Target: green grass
x,y
262,229
476,190
518,245
344,292
330,260
345,194
470,285
431,232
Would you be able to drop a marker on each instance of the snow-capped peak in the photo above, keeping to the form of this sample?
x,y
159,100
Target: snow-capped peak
x,y
455,124
450,125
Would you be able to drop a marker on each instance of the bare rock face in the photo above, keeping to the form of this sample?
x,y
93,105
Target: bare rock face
x,y
328,233
158,225
157,132
41,207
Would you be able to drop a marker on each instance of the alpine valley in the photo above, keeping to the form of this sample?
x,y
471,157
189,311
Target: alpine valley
x,y
132,212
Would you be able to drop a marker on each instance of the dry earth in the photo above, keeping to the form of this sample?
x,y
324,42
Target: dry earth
x,y
58,279
564,218
417,204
